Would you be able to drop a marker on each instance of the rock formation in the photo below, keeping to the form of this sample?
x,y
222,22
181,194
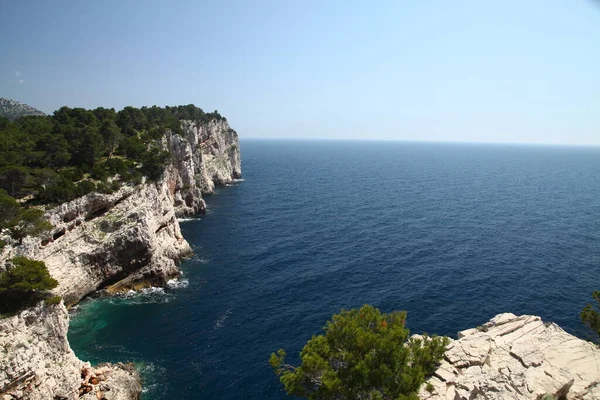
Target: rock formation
x,y
131,238
37,362
126,240
513,357
12,109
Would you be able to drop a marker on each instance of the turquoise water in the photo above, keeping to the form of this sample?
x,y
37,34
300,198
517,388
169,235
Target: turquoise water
x,y
452,233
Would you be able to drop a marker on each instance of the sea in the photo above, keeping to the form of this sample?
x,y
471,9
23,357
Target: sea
x,y
452,233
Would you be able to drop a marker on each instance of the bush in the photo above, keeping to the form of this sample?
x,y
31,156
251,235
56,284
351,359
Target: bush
x,y
590,315
53,300
363,354
60,191
116,166
103,187
24,283
99,172
29,222
154,162
85,187
115,185
73,174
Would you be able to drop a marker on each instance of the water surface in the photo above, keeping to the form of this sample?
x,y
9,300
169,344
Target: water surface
x,y
452,233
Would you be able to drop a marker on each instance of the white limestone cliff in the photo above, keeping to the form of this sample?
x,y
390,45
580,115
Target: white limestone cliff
x,y
131,238
511,358
125,240
37,363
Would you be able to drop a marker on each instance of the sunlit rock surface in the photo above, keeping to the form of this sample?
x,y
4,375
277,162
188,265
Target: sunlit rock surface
x,y
513,357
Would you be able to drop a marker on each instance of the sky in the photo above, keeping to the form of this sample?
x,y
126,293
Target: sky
x,y
511,71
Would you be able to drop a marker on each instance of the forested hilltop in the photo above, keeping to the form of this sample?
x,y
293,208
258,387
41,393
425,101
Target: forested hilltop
x,y
54,159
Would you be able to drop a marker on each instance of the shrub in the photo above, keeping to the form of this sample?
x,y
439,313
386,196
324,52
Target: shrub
x,y
429,387
103,187
590,315
24,283
99,172
363,354
115,185
53,300
85,187
116,166
29,222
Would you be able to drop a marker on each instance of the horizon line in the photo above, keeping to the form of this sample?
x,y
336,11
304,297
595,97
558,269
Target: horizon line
x,y
419,141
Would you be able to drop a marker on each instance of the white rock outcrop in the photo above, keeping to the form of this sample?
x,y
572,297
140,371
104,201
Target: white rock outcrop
x,y
125,240
37,363
513,357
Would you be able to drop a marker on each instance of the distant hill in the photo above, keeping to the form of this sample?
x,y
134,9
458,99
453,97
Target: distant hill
x,y
13,109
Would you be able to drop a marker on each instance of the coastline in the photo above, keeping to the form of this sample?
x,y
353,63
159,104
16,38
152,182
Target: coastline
x,y
127,240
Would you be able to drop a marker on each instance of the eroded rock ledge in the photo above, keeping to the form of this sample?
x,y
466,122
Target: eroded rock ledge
x,y
513,357
126,240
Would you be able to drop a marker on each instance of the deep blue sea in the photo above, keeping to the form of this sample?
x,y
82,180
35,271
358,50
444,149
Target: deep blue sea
x,y
451,233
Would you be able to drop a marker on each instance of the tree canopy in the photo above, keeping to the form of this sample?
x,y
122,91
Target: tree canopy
x,y
19,221
25,281
49,156
362,354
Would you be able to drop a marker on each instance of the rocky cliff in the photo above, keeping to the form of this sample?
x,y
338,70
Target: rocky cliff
x,y
37,362
513,357
131,238
125,240
12,109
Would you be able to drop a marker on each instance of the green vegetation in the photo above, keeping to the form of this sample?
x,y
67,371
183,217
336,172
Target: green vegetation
x,y
429,387
590,315
24,282
363,354
19,221
74,151
53,300
54,159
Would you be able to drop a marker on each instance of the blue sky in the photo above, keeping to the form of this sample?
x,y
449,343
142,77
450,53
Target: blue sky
x,y
472,70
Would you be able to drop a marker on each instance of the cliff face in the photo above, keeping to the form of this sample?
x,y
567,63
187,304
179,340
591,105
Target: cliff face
x,y
131,238
513,357
37,362
126,240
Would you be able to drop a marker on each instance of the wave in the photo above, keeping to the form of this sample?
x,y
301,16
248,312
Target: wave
x,y
177,283
180,220
234,182
197,258
221,320
153,376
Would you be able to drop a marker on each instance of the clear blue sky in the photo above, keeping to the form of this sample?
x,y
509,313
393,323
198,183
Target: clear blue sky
x,y
473,70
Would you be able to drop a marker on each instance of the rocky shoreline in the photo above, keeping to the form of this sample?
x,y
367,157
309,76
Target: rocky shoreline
x,y
126,240
510,358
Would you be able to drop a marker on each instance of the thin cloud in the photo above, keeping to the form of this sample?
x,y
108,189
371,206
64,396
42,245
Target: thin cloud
x,y
18,73
21,81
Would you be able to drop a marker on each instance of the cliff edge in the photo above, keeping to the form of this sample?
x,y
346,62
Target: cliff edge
x,y
125,240
37,362
510,358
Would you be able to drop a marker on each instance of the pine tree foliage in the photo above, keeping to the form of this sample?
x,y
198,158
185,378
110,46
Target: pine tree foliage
x,y
362,354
